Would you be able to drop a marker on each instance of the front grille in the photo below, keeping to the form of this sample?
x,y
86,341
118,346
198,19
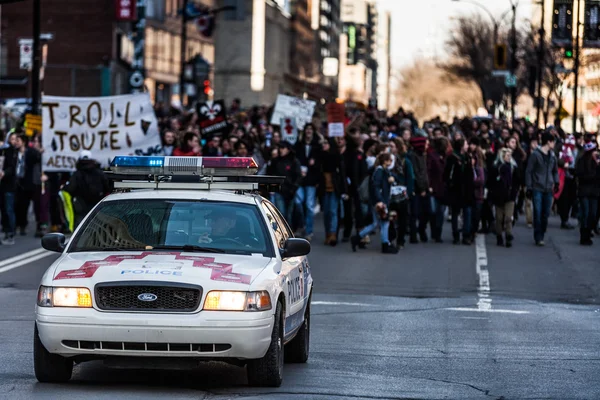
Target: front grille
x,y
123,296
142,346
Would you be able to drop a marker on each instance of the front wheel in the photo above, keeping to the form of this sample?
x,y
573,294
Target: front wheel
x,y
298,349
268,371
49,368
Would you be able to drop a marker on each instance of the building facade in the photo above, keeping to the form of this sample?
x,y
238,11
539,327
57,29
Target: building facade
x,y
252,56
91,53
358,52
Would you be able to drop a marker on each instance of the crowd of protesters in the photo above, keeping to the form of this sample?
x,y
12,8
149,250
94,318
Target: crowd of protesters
x,y
387,174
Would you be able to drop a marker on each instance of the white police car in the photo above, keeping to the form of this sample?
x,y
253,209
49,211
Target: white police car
x,y
185,264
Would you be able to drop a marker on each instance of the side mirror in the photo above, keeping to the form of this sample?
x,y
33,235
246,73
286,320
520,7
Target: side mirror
x,y
295,248
54,242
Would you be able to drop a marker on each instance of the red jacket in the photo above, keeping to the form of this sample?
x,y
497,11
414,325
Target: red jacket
x,y
561,183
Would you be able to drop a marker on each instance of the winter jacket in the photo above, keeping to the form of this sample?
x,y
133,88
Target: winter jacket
x,y
33,159
333,163
505,183
435,172
379,190
542,171
460,181
312,177
403,174
8,183
562,176
289,167
479,184
88,185
588,181
356,168
419,163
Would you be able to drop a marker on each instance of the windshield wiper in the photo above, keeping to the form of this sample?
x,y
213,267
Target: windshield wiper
x,y
189,248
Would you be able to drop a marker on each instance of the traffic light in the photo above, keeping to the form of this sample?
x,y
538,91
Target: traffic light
x,y
569,52
207,88
500,57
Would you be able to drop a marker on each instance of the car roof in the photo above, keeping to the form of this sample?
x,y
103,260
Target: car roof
x,y
214,195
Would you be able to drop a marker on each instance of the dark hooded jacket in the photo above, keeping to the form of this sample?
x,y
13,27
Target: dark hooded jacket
x,y
88,185
460,181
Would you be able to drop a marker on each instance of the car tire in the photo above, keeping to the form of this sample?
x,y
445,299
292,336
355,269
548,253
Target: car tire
x,y
268,371
298,349
49,368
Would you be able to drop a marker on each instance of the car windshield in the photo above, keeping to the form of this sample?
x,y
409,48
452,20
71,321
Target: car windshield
x,y
150,224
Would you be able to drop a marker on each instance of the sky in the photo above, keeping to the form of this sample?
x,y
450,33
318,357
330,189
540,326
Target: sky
x,y
421,27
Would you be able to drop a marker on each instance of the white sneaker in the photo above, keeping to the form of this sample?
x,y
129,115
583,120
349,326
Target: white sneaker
x,y
8,241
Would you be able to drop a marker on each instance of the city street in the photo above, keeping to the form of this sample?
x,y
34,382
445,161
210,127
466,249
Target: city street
x,y
435,322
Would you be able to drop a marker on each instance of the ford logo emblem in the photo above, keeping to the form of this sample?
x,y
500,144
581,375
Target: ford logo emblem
x,y
147,297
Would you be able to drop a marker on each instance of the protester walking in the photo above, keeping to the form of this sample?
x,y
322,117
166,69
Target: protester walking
x,y
436,161
419,201
87,186
404,182
541,180
459,178
505,184
308,154
380,192
588,191
335,187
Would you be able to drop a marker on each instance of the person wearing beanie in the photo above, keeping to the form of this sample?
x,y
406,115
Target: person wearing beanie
x,y
588,190
541,180
419,201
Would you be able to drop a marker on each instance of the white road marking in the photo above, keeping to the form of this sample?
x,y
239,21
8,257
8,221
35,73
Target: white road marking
x,y
484,300
495,310
24,261
21,256
335,303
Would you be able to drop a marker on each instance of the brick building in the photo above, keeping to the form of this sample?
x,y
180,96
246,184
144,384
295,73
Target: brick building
x,y
91,53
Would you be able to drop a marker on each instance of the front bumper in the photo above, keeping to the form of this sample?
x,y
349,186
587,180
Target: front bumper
x,y
74,332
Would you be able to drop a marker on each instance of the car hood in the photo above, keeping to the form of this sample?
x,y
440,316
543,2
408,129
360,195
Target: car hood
x,y
223,270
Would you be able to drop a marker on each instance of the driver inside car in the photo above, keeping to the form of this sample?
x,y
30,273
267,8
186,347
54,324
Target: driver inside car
x,y
222,224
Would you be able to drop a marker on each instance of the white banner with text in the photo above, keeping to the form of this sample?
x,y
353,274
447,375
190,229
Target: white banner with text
x,y
106,126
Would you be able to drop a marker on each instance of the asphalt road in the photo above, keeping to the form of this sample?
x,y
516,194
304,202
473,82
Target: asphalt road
x,y
436,321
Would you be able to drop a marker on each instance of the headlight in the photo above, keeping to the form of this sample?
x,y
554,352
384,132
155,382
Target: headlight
x,y
64,297
237,301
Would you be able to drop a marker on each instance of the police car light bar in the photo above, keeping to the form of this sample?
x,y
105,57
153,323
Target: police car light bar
x,y
199,166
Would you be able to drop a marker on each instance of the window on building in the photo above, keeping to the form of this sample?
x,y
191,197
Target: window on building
x,y
162,51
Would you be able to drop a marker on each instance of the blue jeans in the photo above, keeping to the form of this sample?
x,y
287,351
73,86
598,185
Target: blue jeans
x,y
466,230
377,223
331,203
587,212
437,217
9,212
284,207
542,203
305,200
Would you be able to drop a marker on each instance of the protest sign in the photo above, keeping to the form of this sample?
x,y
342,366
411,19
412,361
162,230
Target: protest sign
x,y
289,130
336,114
212,117
287,107
106,126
